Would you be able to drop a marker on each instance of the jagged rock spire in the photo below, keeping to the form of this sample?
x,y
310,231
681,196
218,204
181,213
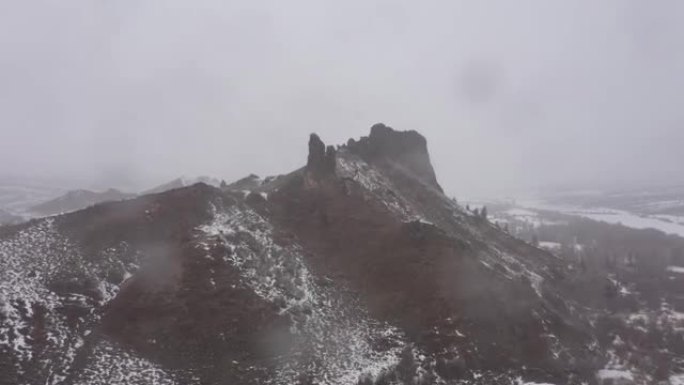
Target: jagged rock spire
x,y
321,160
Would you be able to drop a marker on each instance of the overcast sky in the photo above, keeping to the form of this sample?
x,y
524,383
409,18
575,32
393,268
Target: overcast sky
x,y
510,94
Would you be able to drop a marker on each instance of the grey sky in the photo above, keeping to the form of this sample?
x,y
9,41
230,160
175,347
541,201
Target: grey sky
x,y
510,94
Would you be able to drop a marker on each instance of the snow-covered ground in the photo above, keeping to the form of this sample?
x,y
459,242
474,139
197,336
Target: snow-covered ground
x,y
615,374
666,223
677,379
550,245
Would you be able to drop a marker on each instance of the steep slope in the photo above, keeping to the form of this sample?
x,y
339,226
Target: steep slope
x,y
77,200
355,269
467,294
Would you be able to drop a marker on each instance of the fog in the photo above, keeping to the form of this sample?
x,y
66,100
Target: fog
x,y
511,95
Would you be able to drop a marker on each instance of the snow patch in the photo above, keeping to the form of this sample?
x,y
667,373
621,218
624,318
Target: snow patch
x,y
677,379
554,246
614,374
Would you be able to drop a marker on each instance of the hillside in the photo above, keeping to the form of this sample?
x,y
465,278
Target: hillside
x,y
355,269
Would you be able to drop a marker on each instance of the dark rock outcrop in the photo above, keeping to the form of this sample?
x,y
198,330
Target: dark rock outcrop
x,y
404,149
321,160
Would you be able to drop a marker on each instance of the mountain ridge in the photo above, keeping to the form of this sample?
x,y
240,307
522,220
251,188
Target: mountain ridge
x,y
355,269
75,200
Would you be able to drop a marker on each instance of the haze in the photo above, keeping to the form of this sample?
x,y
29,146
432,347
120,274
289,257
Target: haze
x,y
510,95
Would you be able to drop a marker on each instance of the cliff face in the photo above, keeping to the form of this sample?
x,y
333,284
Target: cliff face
x,y
402,149
321,159
353,270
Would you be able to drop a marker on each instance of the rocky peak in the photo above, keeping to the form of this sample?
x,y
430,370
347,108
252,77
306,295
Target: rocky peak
x,y
406,149
321,160
250,182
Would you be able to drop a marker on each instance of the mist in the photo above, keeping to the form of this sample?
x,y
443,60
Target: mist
x,y
511,96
